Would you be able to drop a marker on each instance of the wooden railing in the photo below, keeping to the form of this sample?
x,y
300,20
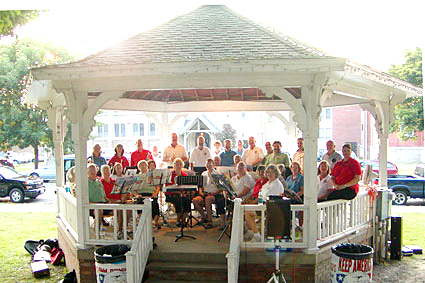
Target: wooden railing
x,y
95,234
337,218
235,243
137,257
67,211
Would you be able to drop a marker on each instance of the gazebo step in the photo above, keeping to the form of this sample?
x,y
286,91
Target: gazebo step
x,y
218,258
187,271
153,280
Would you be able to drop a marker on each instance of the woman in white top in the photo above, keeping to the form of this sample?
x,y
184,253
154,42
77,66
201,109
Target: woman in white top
x,y
324,180
209,194
273,187
243,183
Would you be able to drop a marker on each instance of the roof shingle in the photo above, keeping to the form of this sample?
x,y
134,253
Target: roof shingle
x,y
209,33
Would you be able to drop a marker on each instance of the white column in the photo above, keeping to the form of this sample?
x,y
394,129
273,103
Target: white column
x,y
310,135
55,122
383,142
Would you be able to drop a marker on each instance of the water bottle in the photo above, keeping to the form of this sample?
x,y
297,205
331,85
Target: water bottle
x,y
260,198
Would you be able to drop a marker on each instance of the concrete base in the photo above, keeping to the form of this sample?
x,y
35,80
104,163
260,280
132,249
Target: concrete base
x,y
205,253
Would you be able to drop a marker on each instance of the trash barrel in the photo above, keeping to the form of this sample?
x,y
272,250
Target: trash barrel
x,y
110,264
351,263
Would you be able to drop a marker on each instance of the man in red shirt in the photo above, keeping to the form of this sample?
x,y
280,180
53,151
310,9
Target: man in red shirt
x,y
345,176
140,154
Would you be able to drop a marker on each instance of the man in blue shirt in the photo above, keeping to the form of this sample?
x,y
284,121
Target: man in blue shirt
x,y
227,155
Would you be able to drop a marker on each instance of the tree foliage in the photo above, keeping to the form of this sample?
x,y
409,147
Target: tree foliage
x,y
409,117
23,124
11,19
227,133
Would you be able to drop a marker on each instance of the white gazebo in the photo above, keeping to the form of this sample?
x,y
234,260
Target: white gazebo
x,y
211,60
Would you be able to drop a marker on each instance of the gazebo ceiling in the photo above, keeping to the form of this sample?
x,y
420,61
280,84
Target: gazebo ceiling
x,y
188,95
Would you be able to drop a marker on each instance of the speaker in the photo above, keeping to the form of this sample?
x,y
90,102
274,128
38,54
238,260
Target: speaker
x,y
278,217
396,228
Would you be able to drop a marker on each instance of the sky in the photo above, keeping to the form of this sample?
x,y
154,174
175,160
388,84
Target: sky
x,y
373,32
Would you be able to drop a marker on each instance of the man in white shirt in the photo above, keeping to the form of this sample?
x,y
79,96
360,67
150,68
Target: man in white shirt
x,y
199,156
253,155
331,156
299,155
173,151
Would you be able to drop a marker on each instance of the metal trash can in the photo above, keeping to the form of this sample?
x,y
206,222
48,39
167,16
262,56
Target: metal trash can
x,y
351,263
110,264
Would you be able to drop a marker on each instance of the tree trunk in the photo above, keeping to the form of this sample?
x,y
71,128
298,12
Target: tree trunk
x,y
35,156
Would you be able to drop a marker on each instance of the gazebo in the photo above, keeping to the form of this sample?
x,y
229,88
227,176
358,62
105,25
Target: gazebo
x,y
210,60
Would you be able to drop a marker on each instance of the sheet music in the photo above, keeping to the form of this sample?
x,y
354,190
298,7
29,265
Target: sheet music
x,y
226,170
161,176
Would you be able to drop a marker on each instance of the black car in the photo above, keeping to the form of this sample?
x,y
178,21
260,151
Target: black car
x,y
17,186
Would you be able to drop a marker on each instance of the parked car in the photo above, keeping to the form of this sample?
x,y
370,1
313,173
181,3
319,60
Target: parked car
x,y
391,167
406,186
48,172
18,186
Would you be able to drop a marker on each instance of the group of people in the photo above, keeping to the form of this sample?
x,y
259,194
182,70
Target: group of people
x,y
276,174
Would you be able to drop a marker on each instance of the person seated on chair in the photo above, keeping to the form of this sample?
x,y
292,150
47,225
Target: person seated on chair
x,y
243,182
273,187
209,194
96,191
108,185
217,161
296,183
253,199
324,180
117,171
236,159
146,189
345,176
175,198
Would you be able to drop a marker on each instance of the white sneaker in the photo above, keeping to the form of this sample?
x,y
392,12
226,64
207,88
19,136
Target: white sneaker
x,y
256,238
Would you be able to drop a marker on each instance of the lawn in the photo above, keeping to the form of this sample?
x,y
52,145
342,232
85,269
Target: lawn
x,y
15,229
413,225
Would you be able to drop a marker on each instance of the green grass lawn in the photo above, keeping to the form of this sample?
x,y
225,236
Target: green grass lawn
x,y
15,229
27,166
413,225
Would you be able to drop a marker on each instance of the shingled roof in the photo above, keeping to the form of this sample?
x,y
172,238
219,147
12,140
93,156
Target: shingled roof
x,y
209,33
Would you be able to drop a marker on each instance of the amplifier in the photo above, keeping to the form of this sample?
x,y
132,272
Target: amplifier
x,y
190,180
278,218
396,240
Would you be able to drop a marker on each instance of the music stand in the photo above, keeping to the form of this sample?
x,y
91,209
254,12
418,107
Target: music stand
x,y
196,181
161,177
181,189
224,184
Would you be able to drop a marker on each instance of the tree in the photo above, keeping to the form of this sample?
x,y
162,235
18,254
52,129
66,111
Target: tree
x,y
227,133
409,117
9,20
23,124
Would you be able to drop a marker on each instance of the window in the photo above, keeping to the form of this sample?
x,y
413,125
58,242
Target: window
x,y
321,133
322,114
152,129
119,130
122,130
328,133
328,113
138,130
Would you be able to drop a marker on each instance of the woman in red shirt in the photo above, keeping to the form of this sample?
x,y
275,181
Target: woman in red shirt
x,y
108,185
175,198
119,157
345,176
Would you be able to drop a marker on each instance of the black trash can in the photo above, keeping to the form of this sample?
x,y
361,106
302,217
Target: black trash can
x,y
110,264
351,263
